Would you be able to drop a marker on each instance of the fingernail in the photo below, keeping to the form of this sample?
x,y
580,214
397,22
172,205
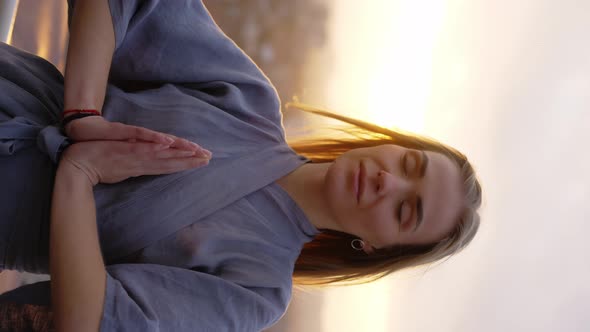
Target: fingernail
x,y
206,152
169,140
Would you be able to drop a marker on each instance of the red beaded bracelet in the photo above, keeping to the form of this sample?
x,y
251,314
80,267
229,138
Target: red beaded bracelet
x,y
77,114
63,115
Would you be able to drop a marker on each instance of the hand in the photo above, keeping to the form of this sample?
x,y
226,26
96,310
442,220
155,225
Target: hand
x,y
97,128
115,161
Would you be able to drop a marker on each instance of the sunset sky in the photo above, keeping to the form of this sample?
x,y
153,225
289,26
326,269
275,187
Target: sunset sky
x,y
508,83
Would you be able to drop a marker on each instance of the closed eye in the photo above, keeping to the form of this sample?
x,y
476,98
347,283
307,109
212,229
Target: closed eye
x,y
419,213
410,163
404,212
403,163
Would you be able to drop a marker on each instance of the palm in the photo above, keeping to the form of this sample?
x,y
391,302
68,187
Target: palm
x,y
112,161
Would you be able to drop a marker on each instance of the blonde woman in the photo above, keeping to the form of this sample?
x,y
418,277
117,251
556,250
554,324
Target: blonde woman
x,y
143,229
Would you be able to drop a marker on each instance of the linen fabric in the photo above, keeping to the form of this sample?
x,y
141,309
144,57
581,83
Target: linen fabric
x,y
209,249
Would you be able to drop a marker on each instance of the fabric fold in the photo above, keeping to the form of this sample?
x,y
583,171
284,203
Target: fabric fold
x,y
21,133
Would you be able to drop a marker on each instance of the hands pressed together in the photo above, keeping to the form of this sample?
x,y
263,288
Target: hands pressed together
x,y
110,152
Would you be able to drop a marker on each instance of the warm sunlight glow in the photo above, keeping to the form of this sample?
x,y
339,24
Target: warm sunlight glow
x,y
44,32
401,78
63,39
369,304
382,72
383,65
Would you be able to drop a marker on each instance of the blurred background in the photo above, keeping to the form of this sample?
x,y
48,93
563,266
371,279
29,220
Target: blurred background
x,y
507,82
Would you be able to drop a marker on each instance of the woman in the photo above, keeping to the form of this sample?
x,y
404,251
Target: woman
x,y
210,247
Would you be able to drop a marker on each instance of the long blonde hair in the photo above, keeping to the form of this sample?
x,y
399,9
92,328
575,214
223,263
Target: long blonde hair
x,y
329,259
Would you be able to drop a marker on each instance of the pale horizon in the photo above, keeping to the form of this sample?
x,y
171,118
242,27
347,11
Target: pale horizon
x,y
509,85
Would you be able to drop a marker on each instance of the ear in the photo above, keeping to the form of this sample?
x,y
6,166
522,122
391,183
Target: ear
x,y
368,248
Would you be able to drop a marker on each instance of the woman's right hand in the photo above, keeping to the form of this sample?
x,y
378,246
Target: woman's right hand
x,y
115,161
97,128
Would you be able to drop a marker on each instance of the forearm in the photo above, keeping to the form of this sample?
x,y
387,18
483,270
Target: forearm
x,y
90,53
78,276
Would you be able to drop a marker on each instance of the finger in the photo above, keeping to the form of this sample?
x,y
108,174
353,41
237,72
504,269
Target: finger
x,y
184,144
163,152
174,153
138,150
139,133
148,151
142,148
181,144
169,166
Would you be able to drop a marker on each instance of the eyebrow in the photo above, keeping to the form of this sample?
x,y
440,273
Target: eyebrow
x,y
419,210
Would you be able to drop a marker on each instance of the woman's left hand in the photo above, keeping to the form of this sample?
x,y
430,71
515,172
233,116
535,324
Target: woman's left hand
x,y
115,161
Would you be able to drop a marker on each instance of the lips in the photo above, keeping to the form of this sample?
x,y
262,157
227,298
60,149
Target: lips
x,y
360,185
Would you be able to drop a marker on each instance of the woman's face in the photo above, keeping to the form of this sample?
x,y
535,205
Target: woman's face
x,y
389,195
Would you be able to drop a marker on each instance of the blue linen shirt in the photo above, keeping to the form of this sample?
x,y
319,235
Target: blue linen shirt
x,y
209,249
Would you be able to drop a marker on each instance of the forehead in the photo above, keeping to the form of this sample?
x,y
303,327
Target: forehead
x,y
442,195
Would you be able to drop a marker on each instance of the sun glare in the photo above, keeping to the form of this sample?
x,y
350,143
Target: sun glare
x,y
383,64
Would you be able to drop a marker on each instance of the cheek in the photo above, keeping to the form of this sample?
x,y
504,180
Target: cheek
x,y
338,182
382,228
332,180
335,191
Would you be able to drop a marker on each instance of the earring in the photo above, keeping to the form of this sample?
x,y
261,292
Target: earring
x,y
357,244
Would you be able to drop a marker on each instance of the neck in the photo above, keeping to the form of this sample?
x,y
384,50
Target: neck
x,y
305,185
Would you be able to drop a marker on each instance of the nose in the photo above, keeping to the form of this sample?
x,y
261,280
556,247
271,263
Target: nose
x,y
388,183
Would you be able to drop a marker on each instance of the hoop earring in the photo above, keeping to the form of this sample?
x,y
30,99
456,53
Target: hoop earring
x,y
357,244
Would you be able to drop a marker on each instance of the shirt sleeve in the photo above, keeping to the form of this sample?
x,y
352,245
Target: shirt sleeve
x,y
175,42
150,297
178,42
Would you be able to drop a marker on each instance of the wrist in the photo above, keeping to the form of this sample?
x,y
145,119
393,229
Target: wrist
x,y
70,115
72,111
68,171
